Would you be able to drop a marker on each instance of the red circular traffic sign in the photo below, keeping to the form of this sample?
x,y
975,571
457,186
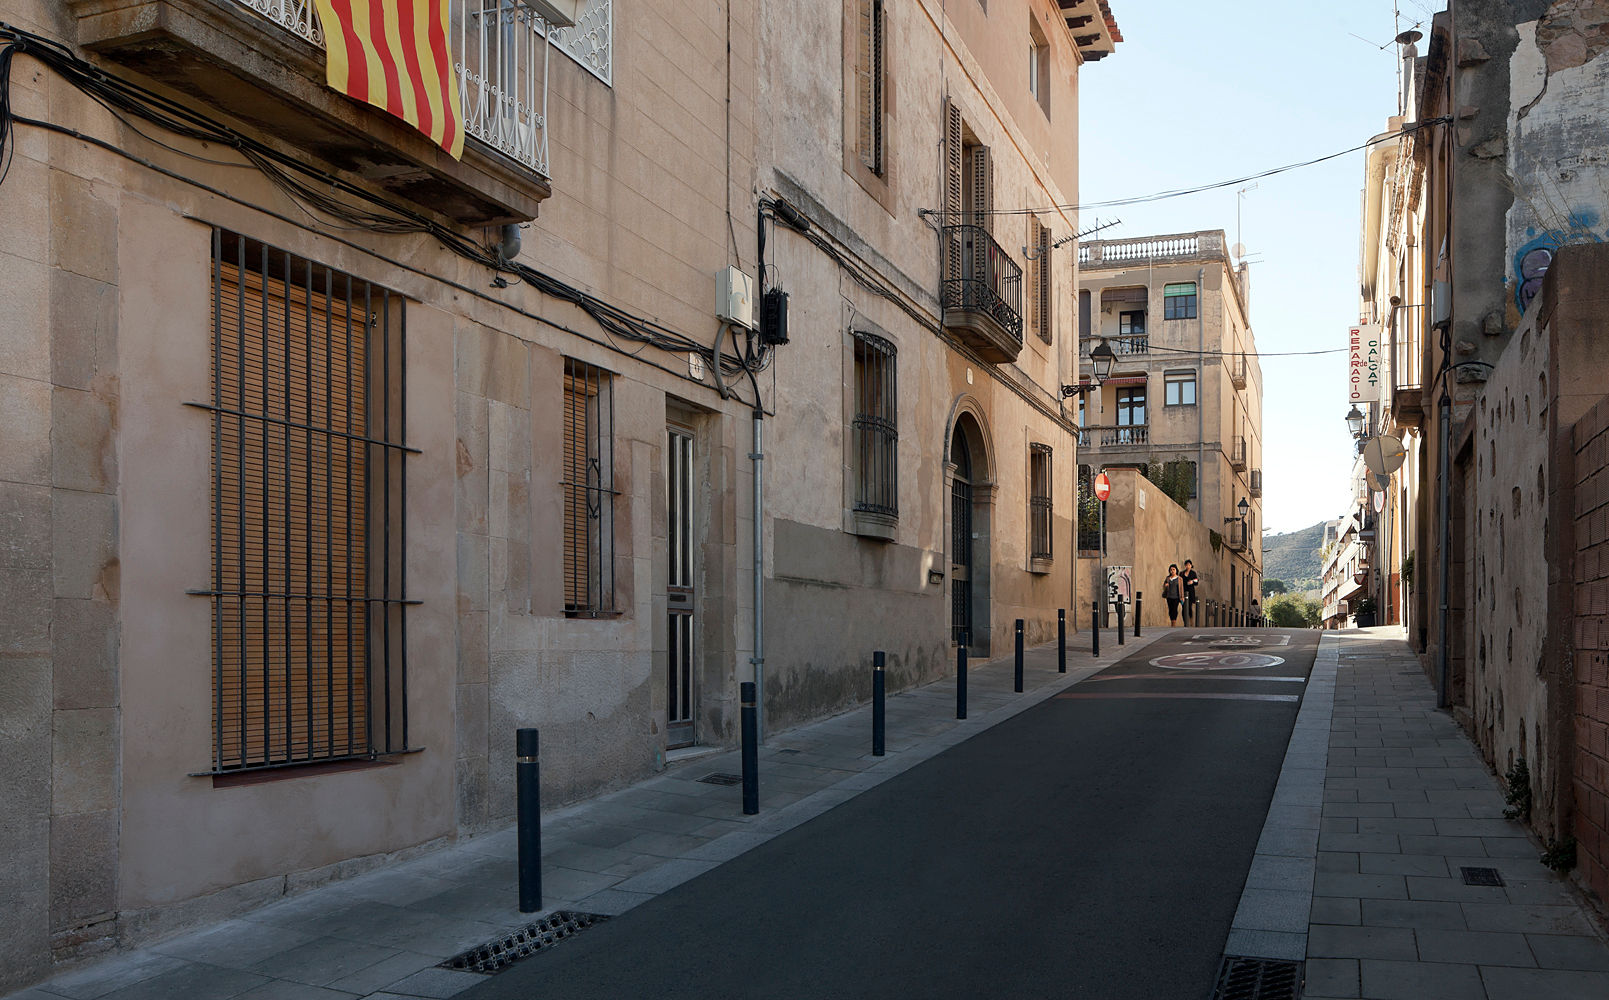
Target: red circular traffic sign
x,y
1103,487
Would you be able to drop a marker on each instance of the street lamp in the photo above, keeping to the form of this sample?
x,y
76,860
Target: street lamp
x,y
1102,358
1243,507
1354,421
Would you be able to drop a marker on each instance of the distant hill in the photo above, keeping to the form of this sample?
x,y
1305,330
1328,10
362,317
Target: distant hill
x,y
1294,558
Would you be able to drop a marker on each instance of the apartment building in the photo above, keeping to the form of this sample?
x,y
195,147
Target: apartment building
x,y
569,381
1185,387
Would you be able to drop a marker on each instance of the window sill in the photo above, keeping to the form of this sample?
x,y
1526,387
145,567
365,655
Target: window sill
x,y
594,614
875,526
1037,565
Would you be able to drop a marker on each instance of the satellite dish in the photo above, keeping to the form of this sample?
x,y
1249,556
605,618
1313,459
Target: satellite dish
x,y
1384,454
1238,250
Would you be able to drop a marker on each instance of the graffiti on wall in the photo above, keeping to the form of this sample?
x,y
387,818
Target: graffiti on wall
x,y
1535,256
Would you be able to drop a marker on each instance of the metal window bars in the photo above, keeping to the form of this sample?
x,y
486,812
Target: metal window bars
x,y
980,276
876,426
309,507
1039,502
589,493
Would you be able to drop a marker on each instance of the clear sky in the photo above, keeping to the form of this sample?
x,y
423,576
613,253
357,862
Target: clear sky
x,y
1199,93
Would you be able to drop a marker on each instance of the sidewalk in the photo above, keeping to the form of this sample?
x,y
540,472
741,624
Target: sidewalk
x,y
1408,805
381,935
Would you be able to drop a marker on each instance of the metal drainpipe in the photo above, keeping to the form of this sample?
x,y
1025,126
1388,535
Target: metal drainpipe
x,y
1201,389
758,659
1445,415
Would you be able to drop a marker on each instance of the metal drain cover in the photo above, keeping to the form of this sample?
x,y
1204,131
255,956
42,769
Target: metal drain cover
x,y
722,779
495,956
1482,876
1258,979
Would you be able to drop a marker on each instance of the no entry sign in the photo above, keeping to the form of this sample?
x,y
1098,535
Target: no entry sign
x,y
1103,487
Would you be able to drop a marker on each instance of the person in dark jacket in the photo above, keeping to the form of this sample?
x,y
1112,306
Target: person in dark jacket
x,y
1190,579
1173,590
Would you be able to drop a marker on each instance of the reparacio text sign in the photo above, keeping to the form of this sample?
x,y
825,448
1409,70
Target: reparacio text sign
x,y
1363,364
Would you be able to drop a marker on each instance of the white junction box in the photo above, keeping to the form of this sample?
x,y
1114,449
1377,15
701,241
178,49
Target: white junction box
x,y
734,297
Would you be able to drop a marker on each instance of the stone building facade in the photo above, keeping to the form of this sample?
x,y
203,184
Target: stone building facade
x,y
1186,387
328,466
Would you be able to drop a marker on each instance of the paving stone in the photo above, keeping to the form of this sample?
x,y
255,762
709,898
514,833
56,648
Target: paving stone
x,y
1413,913
1452,890
1557,951
1525,918
1336,910
1331,977
192,982
438,983
1327,883
1358,809
1553,984
234,944
1388,980
1341,941
114,974
1378,843
323,961
282,989
1509,847
1337,861
1474,947
1273,910
1402,864
1441,845
382,974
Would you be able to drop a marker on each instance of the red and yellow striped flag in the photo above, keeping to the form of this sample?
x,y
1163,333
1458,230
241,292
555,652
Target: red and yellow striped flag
x,y
397,55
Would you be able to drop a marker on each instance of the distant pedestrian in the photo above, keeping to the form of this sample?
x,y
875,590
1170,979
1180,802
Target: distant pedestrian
x,y
1173,590
1190,578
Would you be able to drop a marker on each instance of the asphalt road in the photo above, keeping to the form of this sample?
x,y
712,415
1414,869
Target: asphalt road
x,y
1092,846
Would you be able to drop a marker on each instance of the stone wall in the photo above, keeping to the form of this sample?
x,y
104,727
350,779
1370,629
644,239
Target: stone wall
x,y
1590,445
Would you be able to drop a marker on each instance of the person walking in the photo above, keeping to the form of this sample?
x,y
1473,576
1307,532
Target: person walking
x,y
1173,590
1189,578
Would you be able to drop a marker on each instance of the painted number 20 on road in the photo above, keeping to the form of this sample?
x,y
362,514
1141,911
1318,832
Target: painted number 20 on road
x,y
1216,661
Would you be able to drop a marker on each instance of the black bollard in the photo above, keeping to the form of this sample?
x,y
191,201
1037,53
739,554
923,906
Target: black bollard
x,y
1120,628
528,807
1018,682
1138,603
751,752
1061,640
961,677
877,703
1095,628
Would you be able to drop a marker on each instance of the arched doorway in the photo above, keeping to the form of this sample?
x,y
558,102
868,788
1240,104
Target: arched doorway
x,y
960,539
971,493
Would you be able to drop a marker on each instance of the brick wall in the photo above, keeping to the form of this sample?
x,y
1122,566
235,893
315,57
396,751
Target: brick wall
x,y
1591,771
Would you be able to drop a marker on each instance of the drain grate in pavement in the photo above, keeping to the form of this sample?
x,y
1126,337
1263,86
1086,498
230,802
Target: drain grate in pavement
x,y
495,956
719,778
1244,978
1482,876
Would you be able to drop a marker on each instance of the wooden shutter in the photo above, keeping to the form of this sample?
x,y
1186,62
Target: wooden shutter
x,y
290,545
1044,307
953,196
868,83
982,191
579,394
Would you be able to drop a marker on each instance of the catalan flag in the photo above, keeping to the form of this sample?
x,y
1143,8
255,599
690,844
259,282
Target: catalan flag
x,y
397,55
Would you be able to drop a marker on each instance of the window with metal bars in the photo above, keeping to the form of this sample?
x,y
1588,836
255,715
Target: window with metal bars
x,y
871,64
876,426
589,493
309,506
1039,502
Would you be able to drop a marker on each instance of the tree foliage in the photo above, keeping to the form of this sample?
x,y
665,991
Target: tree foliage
x,y
1177,479
1290,610
1272,587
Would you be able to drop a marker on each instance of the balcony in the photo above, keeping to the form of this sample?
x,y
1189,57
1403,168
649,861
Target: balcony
x,y
1407,385
1235,537
982,295
1237,371
262,62
1123,345
1256,486
1120,436
1237,454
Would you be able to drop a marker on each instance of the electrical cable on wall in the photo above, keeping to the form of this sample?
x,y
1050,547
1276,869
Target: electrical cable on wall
x,y
310,187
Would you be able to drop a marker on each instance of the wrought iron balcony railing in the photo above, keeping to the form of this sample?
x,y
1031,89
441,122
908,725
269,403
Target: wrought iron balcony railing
x,y
501,62
1237,453
981,279
1121,436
